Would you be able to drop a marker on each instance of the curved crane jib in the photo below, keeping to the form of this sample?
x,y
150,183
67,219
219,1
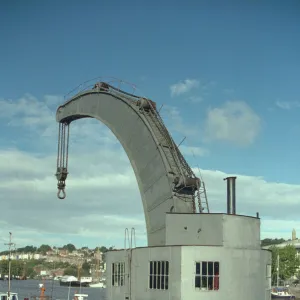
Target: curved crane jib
x,y
166,181
101,86
186,185
146,104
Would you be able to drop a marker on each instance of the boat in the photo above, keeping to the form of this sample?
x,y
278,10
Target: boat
x,y
80,296
283,292
99,284
280,292
86,279
57,278
72,281
9,295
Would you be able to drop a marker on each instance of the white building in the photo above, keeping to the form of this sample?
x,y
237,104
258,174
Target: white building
x,y
22,256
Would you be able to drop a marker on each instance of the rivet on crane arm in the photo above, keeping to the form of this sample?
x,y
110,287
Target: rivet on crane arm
x,y
62,159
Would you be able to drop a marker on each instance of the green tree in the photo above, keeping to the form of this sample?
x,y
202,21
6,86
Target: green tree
x,y
44,248
4,267
268,242
16,268
103,249
69,247
288,261
72,271
85,269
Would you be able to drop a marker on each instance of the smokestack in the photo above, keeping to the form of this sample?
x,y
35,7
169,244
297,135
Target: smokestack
x,y
231,205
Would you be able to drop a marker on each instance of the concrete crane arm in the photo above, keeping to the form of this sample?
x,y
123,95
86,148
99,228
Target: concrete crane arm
x,y
165,180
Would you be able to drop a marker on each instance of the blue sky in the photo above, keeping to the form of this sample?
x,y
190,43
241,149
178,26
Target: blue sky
x,y
234,52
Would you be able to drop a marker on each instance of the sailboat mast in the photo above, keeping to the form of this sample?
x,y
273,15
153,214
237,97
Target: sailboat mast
x,y
9,264
98,264
277,269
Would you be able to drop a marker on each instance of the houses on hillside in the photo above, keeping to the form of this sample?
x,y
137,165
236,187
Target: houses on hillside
x,y
58,255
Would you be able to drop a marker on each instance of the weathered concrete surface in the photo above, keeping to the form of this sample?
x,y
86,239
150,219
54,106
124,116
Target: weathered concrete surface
x,y
146,150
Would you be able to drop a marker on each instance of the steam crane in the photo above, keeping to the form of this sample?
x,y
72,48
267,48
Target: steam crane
x,y
185,185
189,255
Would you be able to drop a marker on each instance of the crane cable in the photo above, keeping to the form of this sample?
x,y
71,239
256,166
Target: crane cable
x,y
62,158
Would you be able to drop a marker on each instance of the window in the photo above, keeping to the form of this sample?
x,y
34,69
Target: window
x,y
207,275
159,275
118,274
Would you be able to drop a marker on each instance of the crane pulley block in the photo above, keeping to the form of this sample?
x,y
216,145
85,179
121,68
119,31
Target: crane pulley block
x,y
61,174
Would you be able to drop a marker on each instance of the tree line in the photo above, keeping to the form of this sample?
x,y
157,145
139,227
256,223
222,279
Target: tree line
x,y
44,248
28,268
268,242
288,259
289,262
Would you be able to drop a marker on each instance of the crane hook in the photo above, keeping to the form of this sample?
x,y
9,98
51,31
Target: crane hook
x,y
63,196
61,185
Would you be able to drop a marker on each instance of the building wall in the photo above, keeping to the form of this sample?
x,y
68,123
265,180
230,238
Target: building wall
x,y
194,229
241,232
213,230
243,273
140,274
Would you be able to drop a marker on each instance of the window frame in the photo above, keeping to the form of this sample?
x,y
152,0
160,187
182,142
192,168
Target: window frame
x,y
207,275
159,273
118,274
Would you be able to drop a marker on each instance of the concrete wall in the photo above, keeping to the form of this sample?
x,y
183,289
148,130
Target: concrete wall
x,y
243,273
140,274
194,229
213,229
115,292
241,232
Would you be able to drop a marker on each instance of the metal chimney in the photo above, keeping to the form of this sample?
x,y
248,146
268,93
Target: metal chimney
x,y
231,205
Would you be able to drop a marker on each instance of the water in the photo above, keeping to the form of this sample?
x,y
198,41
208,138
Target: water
x,y
27,288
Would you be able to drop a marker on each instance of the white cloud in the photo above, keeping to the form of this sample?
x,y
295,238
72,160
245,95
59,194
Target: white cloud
x,y
183,86
195,151
102,193
235,121
287,105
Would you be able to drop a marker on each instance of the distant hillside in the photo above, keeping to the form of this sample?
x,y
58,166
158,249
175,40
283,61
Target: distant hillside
x,y
268,242
43,249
